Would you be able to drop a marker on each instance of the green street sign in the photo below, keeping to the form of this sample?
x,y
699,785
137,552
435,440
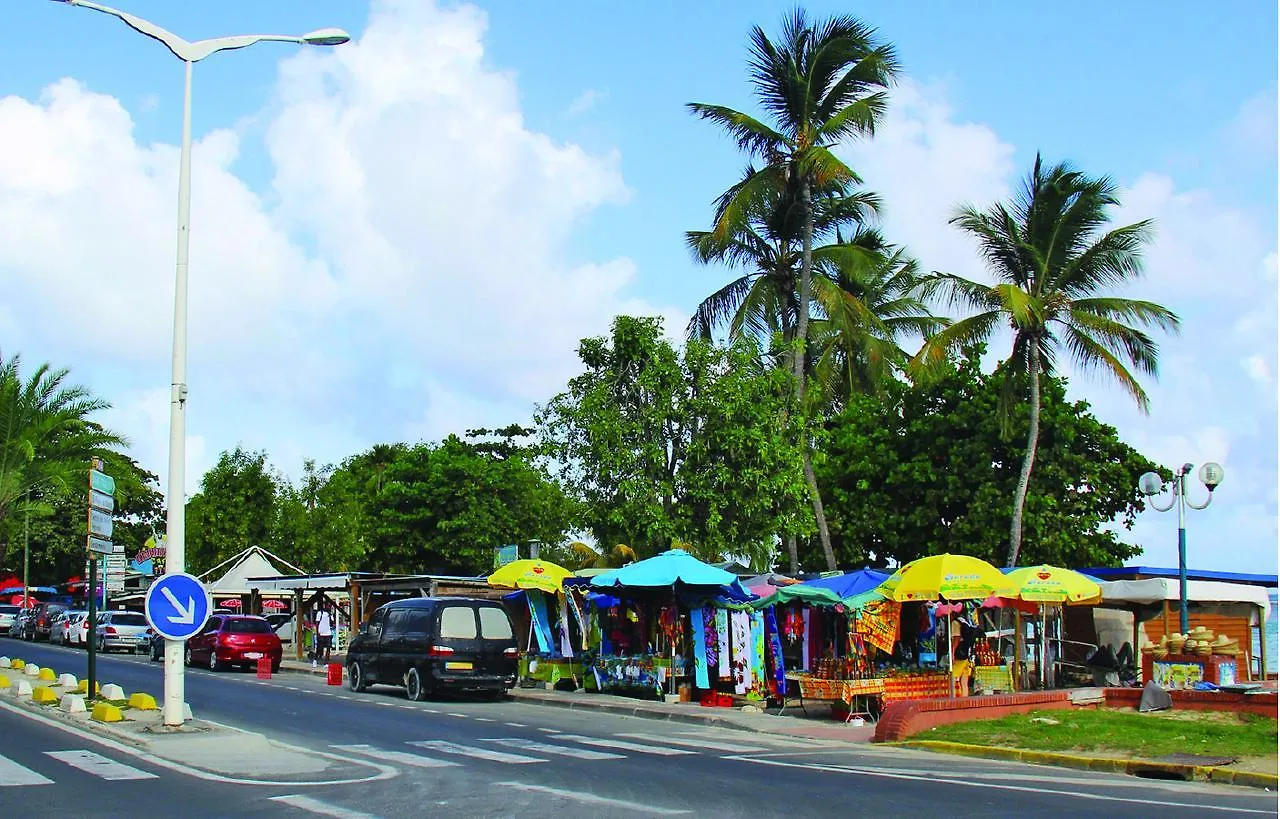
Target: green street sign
x,y
102,482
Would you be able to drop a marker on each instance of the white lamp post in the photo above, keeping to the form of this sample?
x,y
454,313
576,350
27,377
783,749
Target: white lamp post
x,y
175,557
1150,484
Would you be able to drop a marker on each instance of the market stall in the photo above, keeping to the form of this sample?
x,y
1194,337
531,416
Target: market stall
x,y
550,619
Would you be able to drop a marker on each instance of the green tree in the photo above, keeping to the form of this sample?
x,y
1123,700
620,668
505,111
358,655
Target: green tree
x,y
235,508
820,83
1053,266
46,437
927,469
661,447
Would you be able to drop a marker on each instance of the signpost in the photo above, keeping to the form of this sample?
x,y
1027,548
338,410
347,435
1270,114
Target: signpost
x,y
177,606
102,490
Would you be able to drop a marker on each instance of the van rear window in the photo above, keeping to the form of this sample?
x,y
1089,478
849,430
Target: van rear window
x,y
458,622
128,619
495,625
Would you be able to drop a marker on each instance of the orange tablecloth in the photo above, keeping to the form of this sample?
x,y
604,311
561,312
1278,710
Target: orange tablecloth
x,y
842,690
916,687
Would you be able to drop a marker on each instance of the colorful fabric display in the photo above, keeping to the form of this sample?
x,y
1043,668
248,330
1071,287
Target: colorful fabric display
x,y
566,646
804,641
775,650
722,645
741,633
710,638
757,652
539,621
699,649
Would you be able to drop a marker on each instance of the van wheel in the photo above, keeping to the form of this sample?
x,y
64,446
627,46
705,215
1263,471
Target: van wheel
x,y
413,686
355,677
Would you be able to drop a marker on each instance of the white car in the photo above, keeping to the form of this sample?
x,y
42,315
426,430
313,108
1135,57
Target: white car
x,y
119,630
7,613
64,625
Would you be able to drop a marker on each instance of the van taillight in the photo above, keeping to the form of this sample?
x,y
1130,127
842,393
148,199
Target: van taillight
x,y
439,651
511,652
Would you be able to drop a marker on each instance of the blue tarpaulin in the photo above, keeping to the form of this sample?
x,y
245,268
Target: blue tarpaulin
x,y
847,585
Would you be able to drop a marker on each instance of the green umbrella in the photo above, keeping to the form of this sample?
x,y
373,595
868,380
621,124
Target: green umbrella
x,y
858,601
813,595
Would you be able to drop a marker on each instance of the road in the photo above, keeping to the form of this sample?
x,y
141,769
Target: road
x,y
473,758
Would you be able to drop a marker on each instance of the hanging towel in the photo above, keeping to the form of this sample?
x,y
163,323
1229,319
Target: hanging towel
x,y
741,651
699,649
757,652
541,624
775,650
722,636
712,641
577,615
804,642
566,647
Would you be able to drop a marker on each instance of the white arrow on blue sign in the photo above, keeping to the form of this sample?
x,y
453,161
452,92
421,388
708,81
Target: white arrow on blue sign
x,y
177,606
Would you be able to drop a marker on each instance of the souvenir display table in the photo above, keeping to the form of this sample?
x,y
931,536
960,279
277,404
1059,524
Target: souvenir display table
x,y
849,692
550,669
1177,671
916,685
641,675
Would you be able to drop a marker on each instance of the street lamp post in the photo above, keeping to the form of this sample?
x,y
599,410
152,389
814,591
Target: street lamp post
x,y
190,53
1150,484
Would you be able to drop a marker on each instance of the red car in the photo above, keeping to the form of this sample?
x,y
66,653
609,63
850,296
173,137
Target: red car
x,y
234,639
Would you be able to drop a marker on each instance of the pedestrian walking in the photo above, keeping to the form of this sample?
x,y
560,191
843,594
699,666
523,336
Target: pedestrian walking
x,y
324,635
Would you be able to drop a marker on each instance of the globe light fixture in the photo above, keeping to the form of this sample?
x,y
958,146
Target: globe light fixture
x,y
1150,485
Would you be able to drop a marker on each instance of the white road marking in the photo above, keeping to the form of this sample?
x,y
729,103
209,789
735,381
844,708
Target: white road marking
x,y
451,714
99,765
627,746
410,707
695,743
947,780
550,730
559,750
296,800
402,757
12,774
592,799
516,724
476,753
483,719
431,710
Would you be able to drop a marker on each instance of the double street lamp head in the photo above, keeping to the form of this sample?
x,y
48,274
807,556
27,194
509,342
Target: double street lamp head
x,y
1211,475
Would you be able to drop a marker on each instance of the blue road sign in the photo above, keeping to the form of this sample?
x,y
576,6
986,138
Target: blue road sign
x,y
177,606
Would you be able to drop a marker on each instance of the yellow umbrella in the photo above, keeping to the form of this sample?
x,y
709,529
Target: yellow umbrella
x,y
531,574
952,577
1050,584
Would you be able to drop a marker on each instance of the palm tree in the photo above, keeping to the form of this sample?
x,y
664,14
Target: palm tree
x,y
581,556
1053,265
822,82
869,295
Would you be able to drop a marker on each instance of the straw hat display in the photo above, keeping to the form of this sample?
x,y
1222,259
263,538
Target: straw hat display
x,y
1176,642
1225,646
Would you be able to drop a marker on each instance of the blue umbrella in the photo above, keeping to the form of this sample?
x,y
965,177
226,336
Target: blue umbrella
x,y
667,569
34,590
847,585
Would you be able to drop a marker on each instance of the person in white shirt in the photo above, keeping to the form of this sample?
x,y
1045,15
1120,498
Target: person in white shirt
x,y
324,635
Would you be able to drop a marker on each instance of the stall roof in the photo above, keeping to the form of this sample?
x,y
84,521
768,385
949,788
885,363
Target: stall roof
x,y
1123,593
310,582
1144,572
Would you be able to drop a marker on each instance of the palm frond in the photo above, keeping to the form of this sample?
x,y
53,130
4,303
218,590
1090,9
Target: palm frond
x,y
752,135
1090,354
1112,260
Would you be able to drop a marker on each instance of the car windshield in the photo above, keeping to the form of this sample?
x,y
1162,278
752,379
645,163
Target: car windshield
x,y
128,620
248,627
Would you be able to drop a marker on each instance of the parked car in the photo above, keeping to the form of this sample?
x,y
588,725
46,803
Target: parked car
x,y
233,639
7,613
433,644
119,630
78,632
43,620
283,625
63,624
23,625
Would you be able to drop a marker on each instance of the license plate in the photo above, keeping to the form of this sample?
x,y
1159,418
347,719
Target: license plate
x,y
253,655
458,666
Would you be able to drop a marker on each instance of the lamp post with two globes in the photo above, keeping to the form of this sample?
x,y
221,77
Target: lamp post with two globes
x,y
1151,484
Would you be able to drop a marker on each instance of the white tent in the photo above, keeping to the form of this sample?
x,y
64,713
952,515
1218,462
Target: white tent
x,y
252,562
1229,599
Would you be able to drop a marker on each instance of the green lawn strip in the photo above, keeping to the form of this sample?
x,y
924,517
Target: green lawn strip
x,y
1128,732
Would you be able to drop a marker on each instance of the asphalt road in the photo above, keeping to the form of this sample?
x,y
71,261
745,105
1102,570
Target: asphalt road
x,y
479,758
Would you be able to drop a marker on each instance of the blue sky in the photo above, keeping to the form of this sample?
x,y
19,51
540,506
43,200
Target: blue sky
x,y
405,236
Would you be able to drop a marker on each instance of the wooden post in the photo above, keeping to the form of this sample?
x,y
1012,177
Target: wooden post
x,y
1166,618
297,624
1017,650
357,609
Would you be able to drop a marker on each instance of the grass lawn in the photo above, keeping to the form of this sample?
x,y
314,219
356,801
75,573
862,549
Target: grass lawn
x,y
1121,733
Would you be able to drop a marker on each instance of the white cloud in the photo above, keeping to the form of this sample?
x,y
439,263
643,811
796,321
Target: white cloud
x,y
435,282
1212,262
585,102
1253,130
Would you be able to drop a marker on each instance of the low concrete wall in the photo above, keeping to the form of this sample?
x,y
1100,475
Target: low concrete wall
x,y
906,718
1261,704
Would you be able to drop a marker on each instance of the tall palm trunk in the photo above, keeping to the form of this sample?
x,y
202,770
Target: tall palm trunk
x,y
793,556
1033,437
798,361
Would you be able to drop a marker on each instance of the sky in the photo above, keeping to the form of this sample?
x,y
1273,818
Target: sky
x,y
406,236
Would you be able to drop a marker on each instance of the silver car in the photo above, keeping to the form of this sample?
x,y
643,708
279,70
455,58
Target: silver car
x,y
63,626
119,630
7,613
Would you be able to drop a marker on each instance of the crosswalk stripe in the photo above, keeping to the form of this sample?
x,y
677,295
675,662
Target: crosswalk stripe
x,y
693,742
626,746
476,753
13,774
402,757
99,765
559,750
296,800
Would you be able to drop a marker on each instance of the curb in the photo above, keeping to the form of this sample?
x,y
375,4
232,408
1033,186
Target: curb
x,y
713,720
1136,767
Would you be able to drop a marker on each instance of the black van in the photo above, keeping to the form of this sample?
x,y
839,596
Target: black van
x,y
436,643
